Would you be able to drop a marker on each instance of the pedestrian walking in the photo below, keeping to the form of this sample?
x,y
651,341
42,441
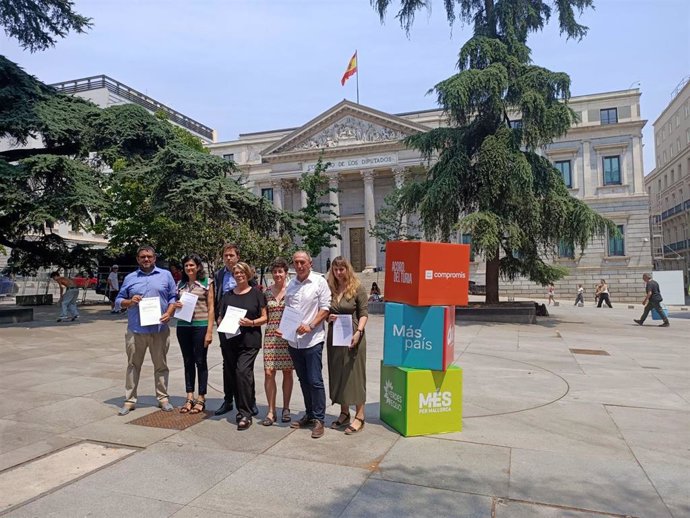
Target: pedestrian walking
x,y
603,294
652,300
551,292
113,286
580,297
68,297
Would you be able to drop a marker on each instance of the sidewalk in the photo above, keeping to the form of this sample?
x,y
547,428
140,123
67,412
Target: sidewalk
x,y
547,432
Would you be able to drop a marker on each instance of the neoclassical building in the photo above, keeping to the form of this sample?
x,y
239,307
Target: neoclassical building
x,y
600,159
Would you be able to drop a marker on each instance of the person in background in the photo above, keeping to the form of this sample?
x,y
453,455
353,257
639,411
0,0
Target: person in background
x,y
224,282
347,366
113,286
374,293
241,349
580,297
147,281
68,297
652,300
603,293
175,272
551,293
308,294
194,337
276,353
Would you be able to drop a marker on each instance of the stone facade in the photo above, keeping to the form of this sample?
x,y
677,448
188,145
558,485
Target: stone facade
x,y
601,159
668,184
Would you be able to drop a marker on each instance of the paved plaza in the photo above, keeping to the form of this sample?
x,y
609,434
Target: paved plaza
x,y
547,431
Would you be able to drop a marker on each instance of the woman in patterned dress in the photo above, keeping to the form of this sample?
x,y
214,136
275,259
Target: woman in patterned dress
x,y
276,355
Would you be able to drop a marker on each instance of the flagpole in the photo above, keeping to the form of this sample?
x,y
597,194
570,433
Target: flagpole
x,y
357,76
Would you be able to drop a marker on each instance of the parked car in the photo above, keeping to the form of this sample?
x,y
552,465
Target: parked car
x,y
7,286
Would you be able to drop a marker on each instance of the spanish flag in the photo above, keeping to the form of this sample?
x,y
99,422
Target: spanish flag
x,y
351,69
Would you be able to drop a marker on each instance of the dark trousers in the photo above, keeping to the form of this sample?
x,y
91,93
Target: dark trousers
x,y
240,360
229,374
579,298
194,354
604,297
308,366
654,305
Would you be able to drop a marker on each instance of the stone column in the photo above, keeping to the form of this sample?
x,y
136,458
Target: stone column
x,y
334,200
303,198
637,169
399,174
589,177
278,194
369,220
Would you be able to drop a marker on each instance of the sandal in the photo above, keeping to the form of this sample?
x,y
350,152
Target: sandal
x,y
341,422
244,423
199,406
351,430
268,421
187,407
286,415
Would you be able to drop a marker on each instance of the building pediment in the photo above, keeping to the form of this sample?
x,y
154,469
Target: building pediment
x,y
344,128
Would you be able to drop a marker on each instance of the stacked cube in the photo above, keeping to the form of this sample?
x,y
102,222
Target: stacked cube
x,y
421,391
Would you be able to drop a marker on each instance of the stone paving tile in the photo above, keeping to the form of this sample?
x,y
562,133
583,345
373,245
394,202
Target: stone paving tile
x,y
605,484
29,380
386,499
16,435
290,488
362,450
12,402
78,500
442,464
511,509
65,415
34,450
75,386
562,426
116,430
169,472
199,512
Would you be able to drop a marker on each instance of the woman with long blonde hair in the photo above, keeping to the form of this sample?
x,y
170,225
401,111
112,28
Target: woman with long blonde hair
x,y
347,364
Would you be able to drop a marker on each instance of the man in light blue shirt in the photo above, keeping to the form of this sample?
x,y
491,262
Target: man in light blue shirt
x,y
147,281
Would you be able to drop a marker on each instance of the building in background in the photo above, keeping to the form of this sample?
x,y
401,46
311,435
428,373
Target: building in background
x,y
668,184
104,92
600,159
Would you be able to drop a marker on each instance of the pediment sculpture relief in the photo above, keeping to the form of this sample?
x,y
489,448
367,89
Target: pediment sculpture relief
x,y
350,131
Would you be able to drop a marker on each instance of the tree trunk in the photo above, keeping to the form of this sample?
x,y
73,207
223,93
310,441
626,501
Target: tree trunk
x,y
492,271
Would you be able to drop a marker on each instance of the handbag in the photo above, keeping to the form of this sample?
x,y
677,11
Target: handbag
x,y
655,313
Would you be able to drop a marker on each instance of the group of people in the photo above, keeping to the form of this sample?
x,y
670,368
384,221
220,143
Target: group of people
x,y
317,300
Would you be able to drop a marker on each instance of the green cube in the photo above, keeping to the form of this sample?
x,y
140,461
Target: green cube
x,y
421,401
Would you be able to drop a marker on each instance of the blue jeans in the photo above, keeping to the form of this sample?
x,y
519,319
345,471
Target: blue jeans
x,y
68,306
308,366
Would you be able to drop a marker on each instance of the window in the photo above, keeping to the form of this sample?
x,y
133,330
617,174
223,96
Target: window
x,y
673,175
612,170
267,193
609,116
663,160
467,240
677,121
617,243
516,124
230,157
565,250
687,136
659,184
564,167
665,181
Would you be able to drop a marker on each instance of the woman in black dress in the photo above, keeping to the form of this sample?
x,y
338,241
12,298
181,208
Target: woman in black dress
x,y
245,345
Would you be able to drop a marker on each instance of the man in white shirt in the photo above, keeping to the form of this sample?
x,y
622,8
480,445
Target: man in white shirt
x,y
113,286
309,294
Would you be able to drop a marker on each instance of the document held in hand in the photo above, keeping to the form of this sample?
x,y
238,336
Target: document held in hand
x,y
230,325
342,330
150,311
188,304
289,323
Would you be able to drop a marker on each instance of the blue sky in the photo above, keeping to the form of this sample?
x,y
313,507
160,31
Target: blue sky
x,y
250,65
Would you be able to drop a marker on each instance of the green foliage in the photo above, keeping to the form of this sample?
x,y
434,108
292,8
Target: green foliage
x,y
183,136
36,23
392,223
318,223
487,180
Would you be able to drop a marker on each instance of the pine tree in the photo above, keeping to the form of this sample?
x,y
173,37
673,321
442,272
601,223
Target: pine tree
x,y
488,180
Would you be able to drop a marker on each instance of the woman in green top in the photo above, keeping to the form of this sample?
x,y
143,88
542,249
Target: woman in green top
x,y
195,336
347,364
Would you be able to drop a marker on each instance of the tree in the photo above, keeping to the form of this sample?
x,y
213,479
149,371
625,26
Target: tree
x,y
318,221
488,179
51,183
392,223
36,23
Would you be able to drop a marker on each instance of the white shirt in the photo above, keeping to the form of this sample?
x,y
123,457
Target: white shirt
x,y
308,297
114,283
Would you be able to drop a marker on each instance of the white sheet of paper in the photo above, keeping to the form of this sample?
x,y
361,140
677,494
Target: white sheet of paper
x,y
289,323
150,311
342,330
188,304
230,325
